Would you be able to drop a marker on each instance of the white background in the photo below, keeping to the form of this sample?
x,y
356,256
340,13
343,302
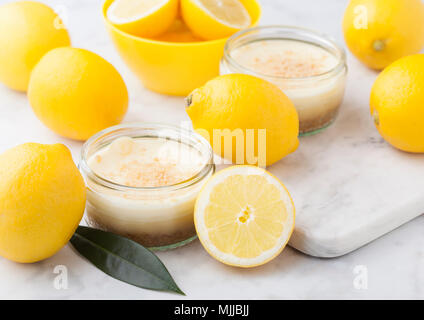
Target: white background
x,y
395,262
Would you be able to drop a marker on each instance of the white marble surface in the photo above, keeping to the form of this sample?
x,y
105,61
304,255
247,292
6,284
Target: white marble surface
x,y
394,263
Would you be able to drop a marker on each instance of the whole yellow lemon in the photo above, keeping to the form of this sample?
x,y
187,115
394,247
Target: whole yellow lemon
x,y
378,32
397,103
76,93
247,120
42,200
28,30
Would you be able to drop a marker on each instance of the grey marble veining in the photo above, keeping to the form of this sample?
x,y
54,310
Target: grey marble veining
x,y
348,185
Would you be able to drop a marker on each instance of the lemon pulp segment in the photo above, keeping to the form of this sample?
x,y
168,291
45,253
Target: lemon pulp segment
x,y
148,18
214,19
228,12
244,216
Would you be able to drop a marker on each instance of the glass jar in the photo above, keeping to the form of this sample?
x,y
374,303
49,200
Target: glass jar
x,y
156,217
317,97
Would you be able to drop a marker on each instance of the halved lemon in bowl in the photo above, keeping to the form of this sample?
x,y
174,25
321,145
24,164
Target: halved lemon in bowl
x,y
215,19
244,216
147,18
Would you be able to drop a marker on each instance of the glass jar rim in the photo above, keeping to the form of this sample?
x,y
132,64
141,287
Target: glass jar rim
x,y
191,135
341,54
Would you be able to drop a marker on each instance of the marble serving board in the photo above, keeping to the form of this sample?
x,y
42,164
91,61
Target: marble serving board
x,y
350,186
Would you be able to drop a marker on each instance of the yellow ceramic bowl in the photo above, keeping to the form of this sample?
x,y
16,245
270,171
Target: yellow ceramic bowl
x,y
173,68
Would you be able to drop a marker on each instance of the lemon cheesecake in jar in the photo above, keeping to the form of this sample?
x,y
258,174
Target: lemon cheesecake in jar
x,y
308,67
142,182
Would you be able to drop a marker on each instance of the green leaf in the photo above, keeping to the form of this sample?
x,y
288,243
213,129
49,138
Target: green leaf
x,y
123,259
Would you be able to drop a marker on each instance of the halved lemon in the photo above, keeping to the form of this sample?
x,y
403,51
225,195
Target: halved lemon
x,y
147,18
215,19
244,216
